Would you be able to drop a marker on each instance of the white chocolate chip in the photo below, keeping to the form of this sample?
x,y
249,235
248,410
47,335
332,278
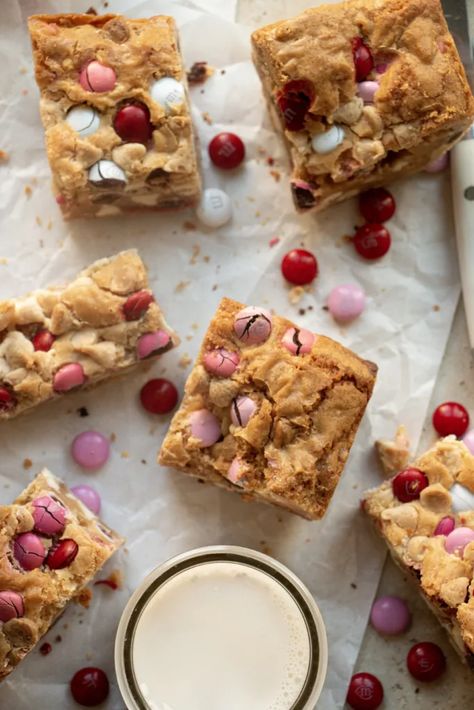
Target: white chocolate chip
x,y
324,143
167,92
462,498
417,547
436,498
28,311
83,119
406,516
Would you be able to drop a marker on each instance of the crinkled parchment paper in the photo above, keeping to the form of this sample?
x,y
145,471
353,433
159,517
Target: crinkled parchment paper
x,y
412,293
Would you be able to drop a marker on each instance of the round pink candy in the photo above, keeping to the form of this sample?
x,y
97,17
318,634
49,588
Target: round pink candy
x,y
29,551
253,325
221,362
390,616
438,165
235,474
68,377
381,68
11,605
49,516
205,427
151,343
366,90
298,341
458,539
445,526
91,449
241,409
346,302
97,77
468,440
88,496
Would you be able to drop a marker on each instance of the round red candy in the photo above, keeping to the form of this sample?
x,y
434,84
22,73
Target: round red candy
x,y
408,484
7,400
137,304
426,661
299,267
132,123
451,418
159,396
363,60
43,340
89,686
377,205
226,150
62,554
372,241
365,692
294,102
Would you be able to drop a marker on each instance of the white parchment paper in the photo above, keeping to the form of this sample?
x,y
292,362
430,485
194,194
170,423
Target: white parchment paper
x,y
412,293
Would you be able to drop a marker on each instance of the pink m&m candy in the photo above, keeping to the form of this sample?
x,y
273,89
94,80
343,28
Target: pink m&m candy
x,y
458,539
205,427
152,343
438,164
298,341
468,440
236,474
367,90
346,302
68,377
11,605
241,409
253,325
29,551
445,526
88,496
97,77
49,516
221,362
91,449
390,616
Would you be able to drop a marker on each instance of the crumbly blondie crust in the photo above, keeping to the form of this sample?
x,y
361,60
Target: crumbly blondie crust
x,y
284,406
99,326
161,171
446,580
44,592
421,107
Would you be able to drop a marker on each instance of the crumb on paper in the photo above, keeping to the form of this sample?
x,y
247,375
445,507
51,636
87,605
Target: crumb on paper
x,y
215,287
295,294
184,361
189,337
222,71
436,308
258,214
394,455
250,198
273,241
41,243
24,92
353,585
27,463
206,117
45,648
206,259
39,221
195,254
113,437
91,11
276,175
4,156
270,160
189,226
58,638
4,260
195,326
124,454
83,411
181,286
113,581
28,191
83,597
143,461
199,73
49,225
23,70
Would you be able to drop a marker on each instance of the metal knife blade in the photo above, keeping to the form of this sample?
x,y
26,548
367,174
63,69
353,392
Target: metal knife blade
x,y
458,22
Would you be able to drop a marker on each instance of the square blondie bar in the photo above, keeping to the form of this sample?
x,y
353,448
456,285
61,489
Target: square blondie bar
x,y
425,514
364,92
270,410
115,110
51,546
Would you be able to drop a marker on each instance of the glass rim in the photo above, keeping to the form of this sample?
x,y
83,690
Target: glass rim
x,y
174,566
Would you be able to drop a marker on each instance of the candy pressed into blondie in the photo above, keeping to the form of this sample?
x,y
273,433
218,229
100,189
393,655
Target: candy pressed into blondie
x,y
425,514
114,106
364,92
51,546
270,410
58,339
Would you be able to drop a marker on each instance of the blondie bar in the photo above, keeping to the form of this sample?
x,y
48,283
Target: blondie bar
x,y
114,106
58,339
425,514
270,410
364,92
51,546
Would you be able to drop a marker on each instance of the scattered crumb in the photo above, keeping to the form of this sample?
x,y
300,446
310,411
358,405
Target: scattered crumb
x,y
41,243
348,238
84,597
354,586
417,690
206,259
195,326
83,412
124,454
258,213
4,157
91,11
24,92
23,70
3,260
265,548
143,461
27,463
58,638
189,337
113,581
106,4
184,361
301,312
273,241
270,161
189,226
28,191
113,437
49,225
325,308
295,294
199,72
195,254
215,287
276,175
222,71
181,286
310,308
39,221
45,648
206,117
436,308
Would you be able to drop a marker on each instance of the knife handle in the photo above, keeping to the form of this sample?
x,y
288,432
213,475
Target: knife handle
x,y
462,180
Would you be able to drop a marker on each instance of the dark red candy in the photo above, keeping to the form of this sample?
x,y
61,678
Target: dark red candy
x,y
43,340
363,60
408,484
62,554
226,150
159,396
426,661
132,123
377,205
294,102
137,304
365,692
299,267
89,686
451,418
372,241
7,400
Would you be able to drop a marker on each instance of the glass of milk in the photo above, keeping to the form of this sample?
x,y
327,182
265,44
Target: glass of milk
x,y
221,628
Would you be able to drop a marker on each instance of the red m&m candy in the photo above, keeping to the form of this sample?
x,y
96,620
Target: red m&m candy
x,y
158,396
89,686
299,267
365,692
226,150
377,205
363,60
372,241
426,661
132,123
451,418
408,484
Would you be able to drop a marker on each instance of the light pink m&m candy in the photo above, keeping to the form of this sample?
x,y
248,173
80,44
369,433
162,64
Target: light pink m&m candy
x,y
97,77
88,496
241,410
253,325
236,474
152,343
11,605
68,377
221,362
205,427
366,90
298,341
458,539
49,516
468,440
390,616
346,302
29,551
90,449
438,164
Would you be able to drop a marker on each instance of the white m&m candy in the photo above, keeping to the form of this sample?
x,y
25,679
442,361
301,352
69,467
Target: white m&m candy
x,y
215,208
324,143
462,498
83,119
167,92
106,173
